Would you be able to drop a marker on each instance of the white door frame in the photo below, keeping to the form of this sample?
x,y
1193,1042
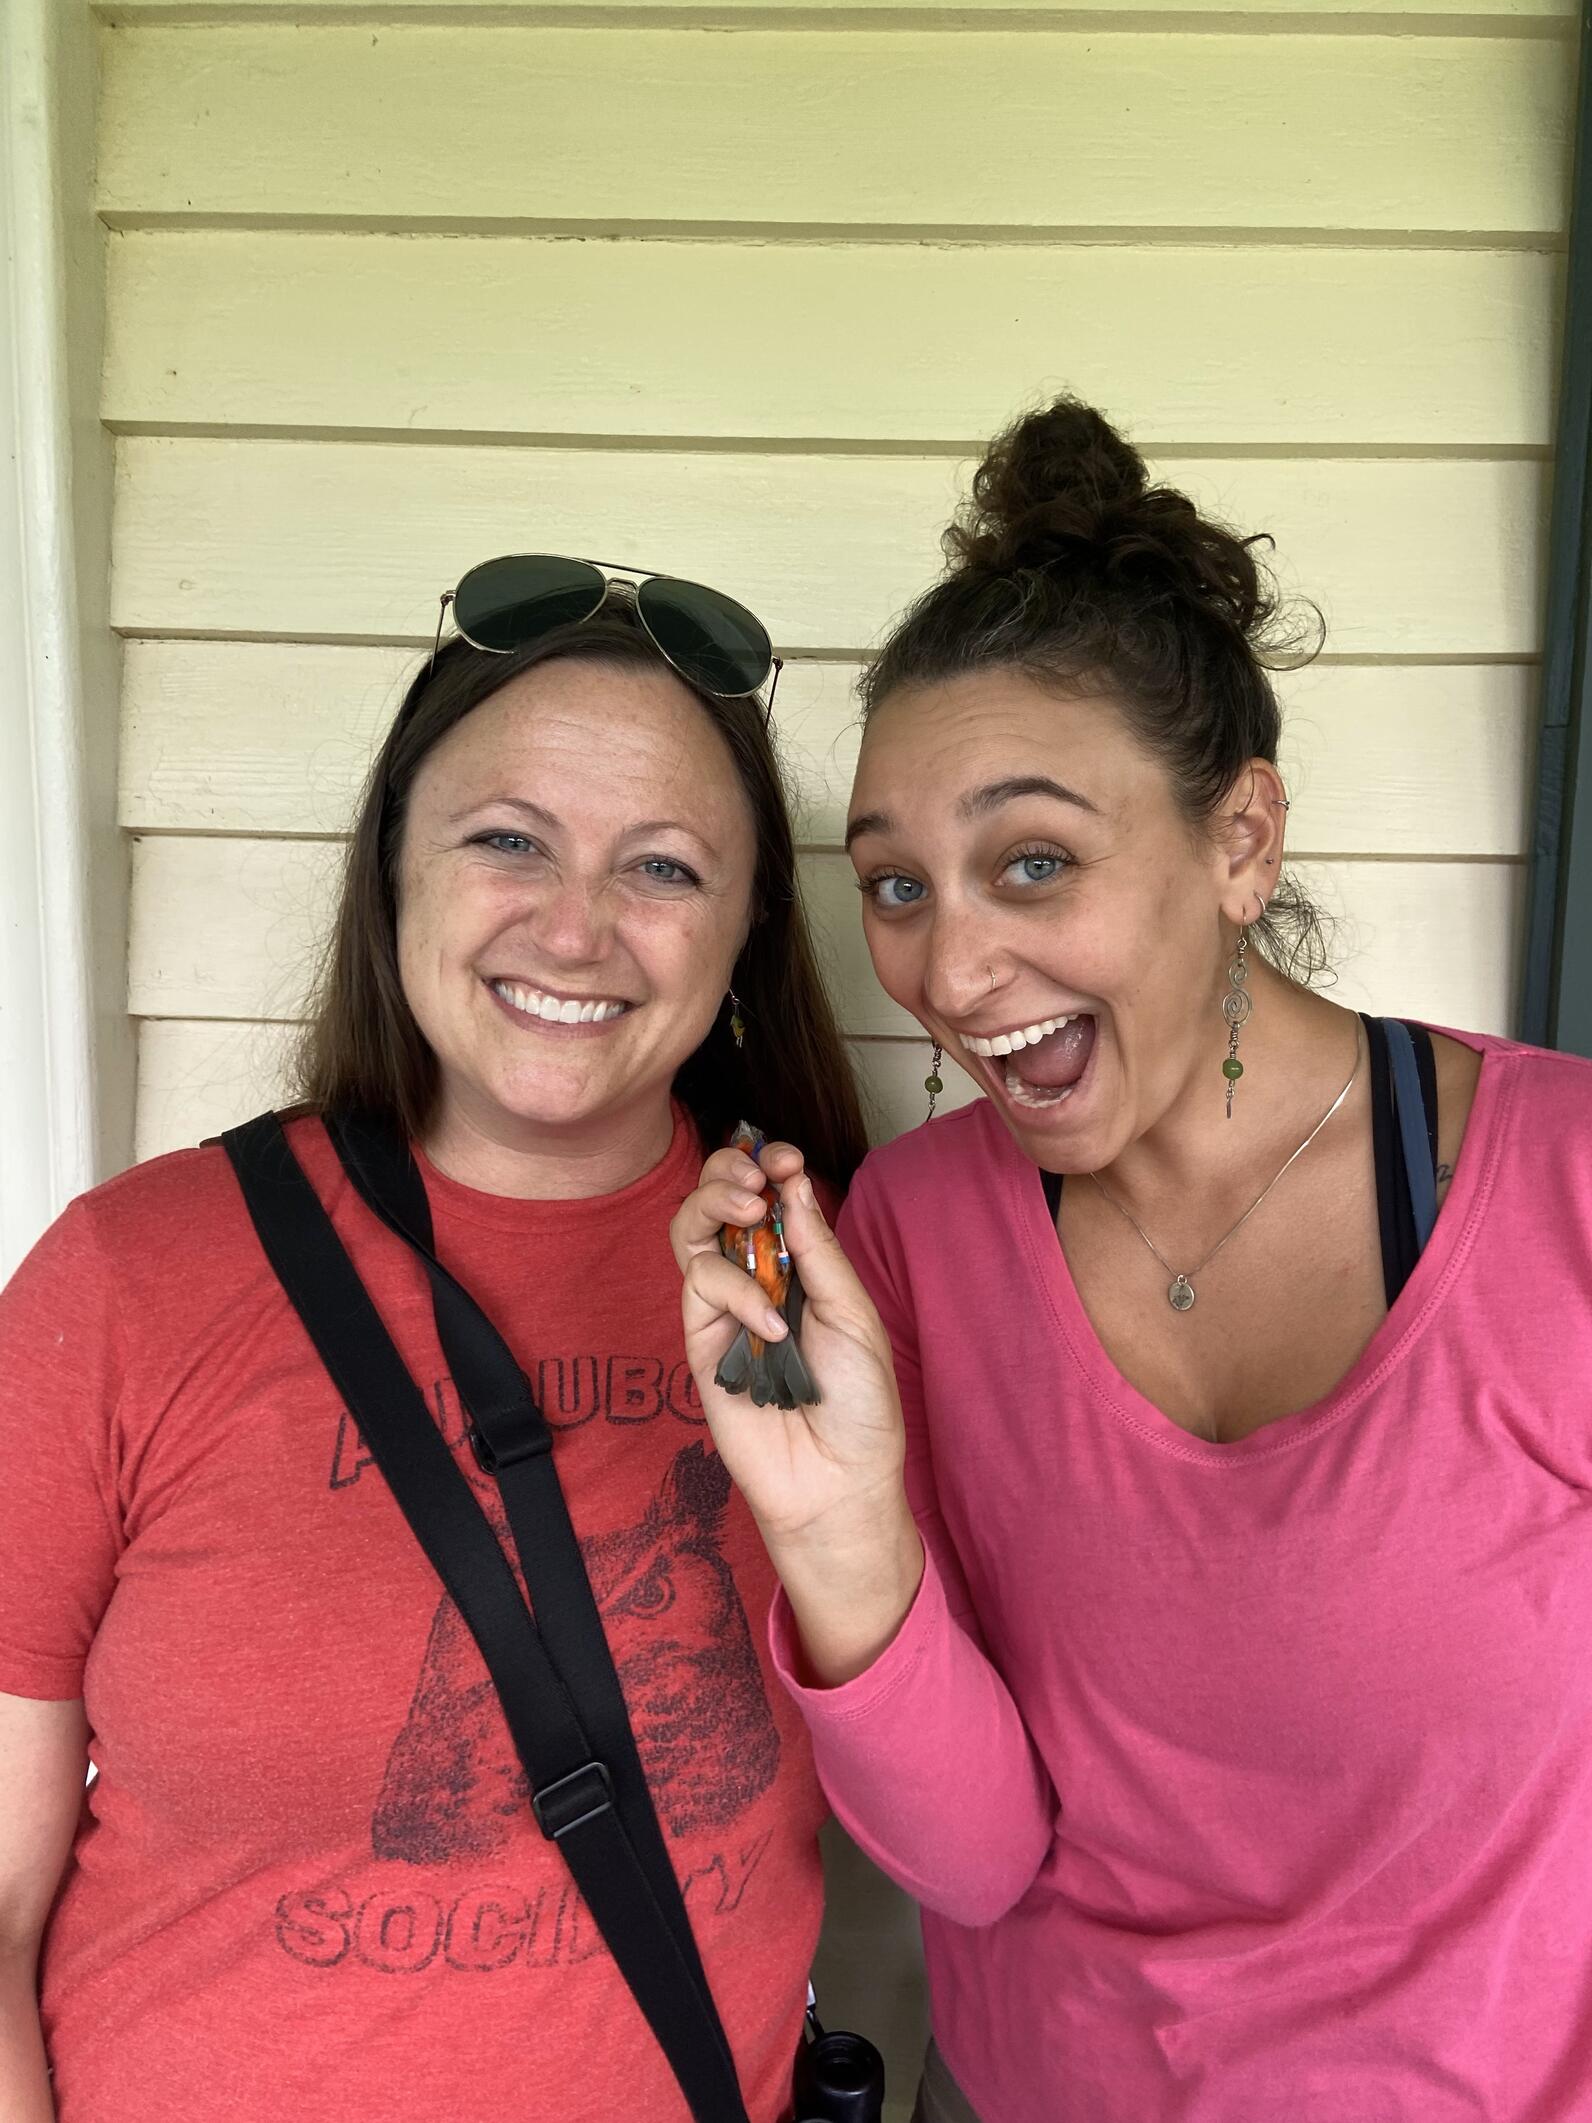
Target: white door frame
x,y
65,1047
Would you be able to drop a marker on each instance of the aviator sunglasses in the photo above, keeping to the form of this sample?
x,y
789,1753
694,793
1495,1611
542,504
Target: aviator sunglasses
x,y
713,642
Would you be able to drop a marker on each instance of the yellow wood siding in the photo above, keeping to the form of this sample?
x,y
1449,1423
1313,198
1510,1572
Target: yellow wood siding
x,y
866,343
1046,126
387,295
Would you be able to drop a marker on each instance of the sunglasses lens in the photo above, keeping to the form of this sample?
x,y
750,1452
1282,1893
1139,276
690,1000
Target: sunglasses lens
x,y
504,603
709,638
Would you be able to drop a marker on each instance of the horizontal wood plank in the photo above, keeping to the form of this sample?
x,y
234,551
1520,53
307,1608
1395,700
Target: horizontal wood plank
x,y
137,13
475,126
276,738
227,928
356,540
516,336
196,1077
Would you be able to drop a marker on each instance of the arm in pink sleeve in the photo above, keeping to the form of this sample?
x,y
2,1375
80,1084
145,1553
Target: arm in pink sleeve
x,y
925,1755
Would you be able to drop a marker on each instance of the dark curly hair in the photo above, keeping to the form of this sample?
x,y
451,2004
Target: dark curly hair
x,y
1069,566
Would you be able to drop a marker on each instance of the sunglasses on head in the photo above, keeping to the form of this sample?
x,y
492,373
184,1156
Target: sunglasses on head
x,y
713,642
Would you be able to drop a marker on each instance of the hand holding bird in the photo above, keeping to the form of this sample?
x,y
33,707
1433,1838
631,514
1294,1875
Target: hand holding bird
x,y
771,1372
824,1474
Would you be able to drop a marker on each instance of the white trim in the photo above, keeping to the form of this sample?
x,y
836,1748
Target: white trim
x,y
54,526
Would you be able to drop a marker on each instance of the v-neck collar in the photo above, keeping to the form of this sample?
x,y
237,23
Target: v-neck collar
x,y
1445,1253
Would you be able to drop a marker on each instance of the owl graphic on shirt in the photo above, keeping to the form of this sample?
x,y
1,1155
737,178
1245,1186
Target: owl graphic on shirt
x,y
454,1787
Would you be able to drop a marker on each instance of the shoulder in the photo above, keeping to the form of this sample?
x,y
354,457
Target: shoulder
x,y
148,1244
182,1215
1530,1129
955,1147
1550,1108
1537,1081
179,1185
940,1170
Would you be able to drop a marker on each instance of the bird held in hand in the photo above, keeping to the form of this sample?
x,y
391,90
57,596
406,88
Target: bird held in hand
x,y
772,1372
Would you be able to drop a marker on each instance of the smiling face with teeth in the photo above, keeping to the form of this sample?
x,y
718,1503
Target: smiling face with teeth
x,y
575,884
1036,898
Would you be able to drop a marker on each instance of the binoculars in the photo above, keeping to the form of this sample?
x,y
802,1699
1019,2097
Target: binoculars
x,y
839,2077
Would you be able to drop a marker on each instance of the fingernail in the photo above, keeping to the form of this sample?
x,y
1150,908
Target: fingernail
x,y
773,1327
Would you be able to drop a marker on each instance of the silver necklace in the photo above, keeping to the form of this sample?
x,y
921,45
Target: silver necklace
x,y
1180,1292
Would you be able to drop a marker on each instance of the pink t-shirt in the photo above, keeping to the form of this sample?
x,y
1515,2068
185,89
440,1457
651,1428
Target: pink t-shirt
x,y
1243,1783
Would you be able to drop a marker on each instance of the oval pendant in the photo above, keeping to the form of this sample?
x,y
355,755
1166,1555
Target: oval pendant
x,y
1181,1294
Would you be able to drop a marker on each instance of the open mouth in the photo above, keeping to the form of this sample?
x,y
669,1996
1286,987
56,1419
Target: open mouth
x,y
1037,1066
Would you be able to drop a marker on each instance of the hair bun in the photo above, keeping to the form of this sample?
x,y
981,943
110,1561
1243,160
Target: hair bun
x,y
1062,490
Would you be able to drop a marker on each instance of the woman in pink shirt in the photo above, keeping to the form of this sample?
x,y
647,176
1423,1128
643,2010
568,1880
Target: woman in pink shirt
x,y
1202,1634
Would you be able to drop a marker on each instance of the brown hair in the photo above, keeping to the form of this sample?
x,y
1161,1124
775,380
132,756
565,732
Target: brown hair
x,y
1070,567
363,1047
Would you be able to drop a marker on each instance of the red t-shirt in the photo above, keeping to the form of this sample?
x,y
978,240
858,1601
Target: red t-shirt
x,y
307,1883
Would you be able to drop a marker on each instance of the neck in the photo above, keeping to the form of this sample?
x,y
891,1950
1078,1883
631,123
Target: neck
x,y
496,1153
1298,1050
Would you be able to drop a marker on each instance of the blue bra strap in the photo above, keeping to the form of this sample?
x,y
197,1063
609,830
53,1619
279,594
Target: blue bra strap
x,y
1416,1145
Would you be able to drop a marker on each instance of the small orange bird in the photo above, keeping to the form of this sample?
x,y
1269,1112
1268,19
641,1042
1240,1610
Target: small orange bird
x,y
772,1372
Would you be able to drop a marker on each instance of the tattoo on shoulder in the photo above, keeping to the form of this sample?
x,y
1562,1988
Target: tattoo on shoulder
x,y
1444,1174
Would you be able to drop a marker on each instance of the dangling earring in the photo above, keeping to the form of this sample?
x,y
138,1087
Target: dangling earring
x,y
932,1083
1236,1006
737,1021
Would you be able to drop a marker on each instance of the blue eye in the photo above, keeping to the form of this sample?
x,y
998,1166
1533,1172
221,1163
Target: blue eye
x,y
1035,868
663,870
505,843
893,890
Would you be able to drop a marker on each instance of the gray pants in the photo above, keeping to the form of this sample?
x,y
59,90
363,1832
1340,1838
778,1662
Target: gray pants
x,y
940,2099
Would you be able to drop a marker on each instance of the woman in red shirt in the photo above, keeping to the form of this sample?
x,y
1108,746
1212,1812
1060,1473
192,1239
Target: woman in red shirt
x,y
570,954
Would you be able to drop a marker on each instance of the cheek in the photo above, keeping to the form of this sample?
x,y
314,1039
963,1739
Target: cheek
x,y
421,931
898,959
686,952
1148,953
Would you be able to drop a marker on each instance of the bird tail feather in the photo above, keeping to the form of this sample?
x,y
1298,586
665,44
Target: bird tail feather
x,y
772,1372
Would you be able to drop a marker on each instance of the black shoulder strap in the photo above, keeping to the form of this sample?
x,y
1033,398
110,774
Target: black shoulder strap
x,y
1426,1069
1395,1219
513,1441
554,1675
1051,1182
1415,1127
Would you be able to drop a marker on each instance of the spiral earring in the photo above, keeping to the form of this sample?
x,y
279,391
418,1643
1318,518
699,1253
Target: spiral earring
x,y
932,1083
1236,1006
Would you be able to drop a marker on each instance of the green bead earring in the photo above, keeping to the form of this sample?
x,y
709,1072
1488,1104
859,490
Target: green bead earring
x,y
932,1083
1236,1006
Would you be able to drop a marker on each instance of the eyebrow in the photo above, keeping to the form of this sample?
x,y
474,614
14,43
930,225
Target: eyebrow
x,y
507,803
978,803
668,825
868,822
535,812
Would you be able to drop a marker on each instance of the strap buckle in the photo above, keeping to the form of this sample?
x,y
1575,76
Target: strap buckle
x,y
523,1441
573,1800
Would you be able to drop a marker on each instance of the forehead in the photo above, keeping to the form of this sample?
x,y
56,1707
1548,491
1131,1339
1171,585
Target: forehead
x,y
580,727
926,745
